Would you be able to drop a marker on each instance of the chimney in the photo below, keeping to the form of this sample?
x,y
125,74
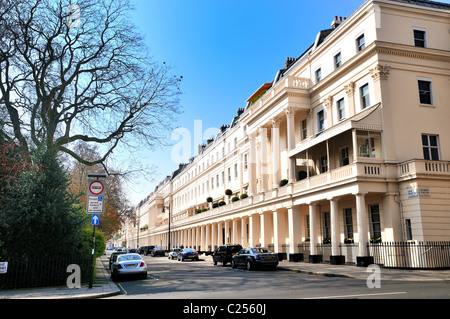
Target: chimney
x,y
209,141
337,21
240,111
289,62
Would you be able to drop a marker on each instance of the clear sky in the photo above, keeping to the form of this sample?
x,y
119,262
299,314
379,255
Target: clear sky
x,y
225,50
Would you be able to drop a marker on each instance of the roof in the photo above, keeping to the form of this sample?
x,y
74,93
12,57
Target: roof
x,y
426,3
262,89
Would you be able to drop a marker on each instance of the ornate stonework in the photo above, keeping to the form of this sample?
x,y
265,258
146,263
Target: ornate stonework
x,y
380,72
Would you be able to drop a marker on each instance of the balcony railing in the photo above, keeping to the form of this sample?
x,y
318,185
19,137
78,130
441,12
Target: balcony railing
x,y
371,171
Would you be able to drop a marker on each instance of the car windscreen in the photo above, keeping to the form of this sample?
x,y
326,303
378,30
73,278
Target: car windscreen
x,y
129,257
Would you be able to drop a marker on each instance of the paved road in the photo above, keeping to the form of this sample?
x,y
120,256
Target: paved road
x,y
170,279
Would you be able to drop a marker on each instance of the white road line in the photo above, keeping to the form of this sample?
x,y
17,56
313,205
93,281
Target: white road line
x,y
360,295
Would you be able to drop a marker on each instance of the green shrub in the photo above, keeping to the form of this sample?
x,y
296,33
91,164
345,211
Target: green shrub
x,y
244,196
235,199
283,182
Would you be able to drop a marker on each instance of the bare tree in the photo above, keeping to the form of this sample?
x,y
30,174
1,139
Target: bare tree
x,y
79,71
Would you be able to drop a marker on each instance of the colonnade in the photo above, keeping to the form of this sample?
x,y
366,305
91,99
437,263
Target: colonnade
x,y
282,229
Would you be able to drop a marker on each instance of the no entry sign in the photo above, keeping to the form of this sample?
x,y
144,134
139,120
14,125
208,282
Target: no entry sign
x,y
95,192
96,187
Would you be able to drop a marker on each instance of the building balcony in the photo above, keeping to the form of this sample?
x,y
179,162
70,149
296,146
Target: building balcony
x,y
354,172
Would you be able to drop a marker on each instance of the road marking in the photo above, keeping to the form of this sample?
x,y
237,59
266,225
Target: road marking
x,y
360,295
120,286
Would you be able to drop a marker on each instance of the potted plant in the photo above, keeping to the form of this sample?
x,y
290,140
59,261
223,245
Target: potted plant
x,y
349,240
283,182
235,199
326,241
244,196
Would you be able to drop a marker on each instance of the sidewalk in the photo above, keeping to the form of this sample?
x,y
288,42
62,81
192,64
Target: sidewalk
x,y
103,286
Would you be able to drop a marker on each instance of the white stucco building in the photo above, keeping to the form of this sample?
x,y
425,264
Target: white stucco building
x,y
348,145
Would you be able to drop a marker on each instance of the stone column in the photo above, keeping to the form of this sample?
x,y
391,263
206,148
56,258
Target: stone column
x,y
208,237
254,228
266,226
275,141
290,134
294,226
336,258
263,156
313,257
279,226
252,165
363,259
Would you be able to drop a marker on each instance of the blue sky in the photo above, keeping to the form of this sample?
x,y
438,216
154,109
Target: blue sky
x,y
225,50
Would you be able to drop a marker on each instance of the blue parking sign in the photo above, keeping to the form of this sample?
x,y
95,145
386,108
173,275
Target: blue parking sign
x,y
95,219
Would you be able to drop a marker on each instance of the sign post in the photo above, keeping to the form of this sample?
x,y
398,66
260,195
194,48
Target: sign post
x,y
95,191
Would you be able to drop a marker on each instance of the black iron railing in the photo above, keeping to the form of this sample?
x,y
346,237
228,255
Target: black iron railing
x,y
42,272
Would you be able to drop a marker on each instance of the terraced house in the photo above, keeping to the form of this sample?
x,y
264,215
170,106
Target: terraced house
x,y
346,148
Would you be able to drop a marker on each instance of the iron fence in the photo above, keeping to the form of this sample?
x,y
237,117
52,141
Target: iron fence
x,y
411,255
42,272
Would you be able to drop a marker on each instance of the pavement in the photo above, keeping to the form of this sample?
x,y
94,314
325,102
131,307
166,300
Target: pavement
x,y
103,286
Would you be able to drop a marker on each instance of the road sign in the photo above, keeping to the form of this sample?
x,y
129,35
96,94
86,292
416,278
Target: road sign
x,y
95,219
96,187
95,205
3,267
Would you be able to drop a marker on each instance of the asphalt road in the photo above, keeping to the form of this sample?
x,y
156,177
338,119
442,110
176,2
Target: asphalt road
x,y
190,280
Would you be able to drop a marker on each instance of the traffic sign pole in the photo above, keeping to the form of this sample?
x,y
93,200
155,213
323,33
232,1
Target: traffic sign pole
x,y
95,188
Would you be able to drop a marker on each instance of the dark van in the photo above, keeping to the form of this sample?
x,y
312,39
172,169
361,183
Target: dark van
x,y
224,253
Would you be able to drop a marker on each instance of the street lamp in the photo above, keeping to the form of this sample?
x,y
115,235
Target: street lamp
x,y
168,209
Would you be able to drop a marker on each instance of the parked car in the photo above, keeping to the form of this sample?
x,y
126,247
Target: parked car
x,y
158,252
148,250
113,257
174,253
129,264
252,258
224,253
187,253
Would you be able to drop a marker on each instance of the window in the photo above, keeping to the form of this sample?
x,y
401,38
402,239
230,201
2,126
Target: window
x,y
425,92
326,226
337,60
229,174
344,156
318,75
235,171
320,121
365,99
420,38
308,234
409,235
323,164
340,109
212,183
348,222
369,144
304,130
245,161
375,222
430,146
217,179
361,42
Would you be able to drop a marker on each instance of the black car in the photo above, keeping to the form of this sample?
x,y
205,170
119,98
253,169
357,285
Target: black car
x,y
224,253
252,258
158,252
113,257
148,250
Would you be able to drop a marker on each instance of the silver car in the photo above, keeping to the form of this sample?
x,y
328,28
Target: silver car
x,y
173,254
129,264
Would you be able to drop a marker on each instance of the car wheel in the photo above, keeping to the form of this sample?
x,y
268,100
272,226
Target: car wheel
x,y
233,264
224,262
249,265
215,262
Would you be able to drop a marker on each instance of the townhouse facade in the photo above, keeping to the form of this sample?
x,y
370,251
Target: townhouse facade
x,y
347,146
